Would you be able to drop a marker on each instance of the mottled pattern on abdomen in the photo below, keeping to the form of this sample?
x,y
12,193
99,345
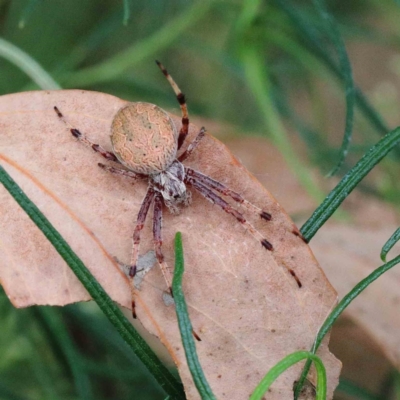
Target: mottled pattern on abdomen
x,y
144,138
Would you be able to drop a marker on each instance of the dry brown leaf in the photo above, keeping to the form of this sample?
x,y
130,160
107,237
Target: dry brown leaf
x,y
348,251
244,304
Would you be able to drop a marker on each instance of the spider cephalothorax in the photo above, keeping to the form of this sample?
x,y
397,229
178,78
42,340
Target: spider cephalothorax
x,y
145,141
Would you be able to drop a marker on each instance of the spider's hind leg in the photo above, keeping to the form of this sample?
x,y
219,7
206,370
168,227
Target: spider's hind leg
x,y
200,184
144,209
157,235
82,138
215,199
219,187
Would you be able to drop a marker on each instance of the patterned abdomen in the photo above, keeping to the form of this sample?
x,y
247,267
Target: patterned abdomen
x,y
144,138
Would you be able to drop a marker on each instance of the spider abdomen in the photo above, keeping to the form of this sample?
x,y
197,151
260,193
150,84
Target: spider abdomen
x,y
144,138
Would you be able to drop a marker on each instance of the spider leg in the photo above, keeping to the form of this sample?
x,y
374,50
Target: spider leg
x,y
192,146
157,227
141,218
214,198
120,171
182,102
81,137
219,187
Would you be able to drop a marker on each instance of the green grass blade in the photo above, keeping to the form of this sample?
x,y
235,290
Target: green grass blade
x,y
337,311
127,12
286,363
161,39
114,314
28,65
351,389
260,86
309,34
347,77
389,244
55,325
349,182
185,325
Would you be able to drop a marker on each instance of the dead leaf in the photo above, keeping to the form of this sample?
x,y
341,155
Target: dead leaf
x,y
243,302
348,251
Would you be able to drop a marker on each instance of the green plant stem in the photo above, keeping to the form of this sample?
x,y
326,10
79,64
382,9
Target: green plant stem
x,y
28,65
313,43
257,79
337,311
185,326
167,381
56,325
286,363
347,74
348,183
389,244
164,37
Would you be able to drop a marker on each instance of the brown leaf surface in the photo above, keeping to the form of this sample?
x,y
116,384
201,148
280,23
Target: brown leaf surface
x,y
243,303
348,251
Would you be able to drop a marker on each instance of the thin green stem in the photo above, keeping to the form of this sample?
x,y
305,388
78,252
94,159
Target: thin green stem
x,y
28,65
348,183
337,311
279,368
185,326
167,381
161,39
389,244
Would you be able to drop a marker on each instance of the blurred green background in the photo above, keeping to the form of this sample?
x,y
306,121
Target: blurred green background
x,y
274,68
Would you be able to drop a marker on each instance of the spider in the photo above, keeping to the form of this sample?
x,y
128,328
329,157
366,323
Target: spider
x,y
146,141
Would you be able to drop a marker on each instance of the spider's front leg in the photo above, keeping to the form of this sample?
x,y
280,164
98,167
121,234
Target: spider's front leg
x,y
121,171
182,102
82,138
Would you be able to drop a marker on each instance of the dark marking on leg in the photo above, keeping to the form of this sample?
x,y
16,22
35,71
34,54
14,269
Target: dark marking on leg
x,y
219,201
106,154
58,112
265,215
196,336
224,190
182,102
267,244
134,309
76,133
299,284
132,271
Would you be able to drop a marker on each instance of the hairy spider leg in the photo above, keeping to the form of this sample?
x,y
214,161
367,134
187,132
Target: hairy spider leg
x,y
121,171
192,146
219,187
219,201
141,218
157,237
82,138
182,102
214,198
